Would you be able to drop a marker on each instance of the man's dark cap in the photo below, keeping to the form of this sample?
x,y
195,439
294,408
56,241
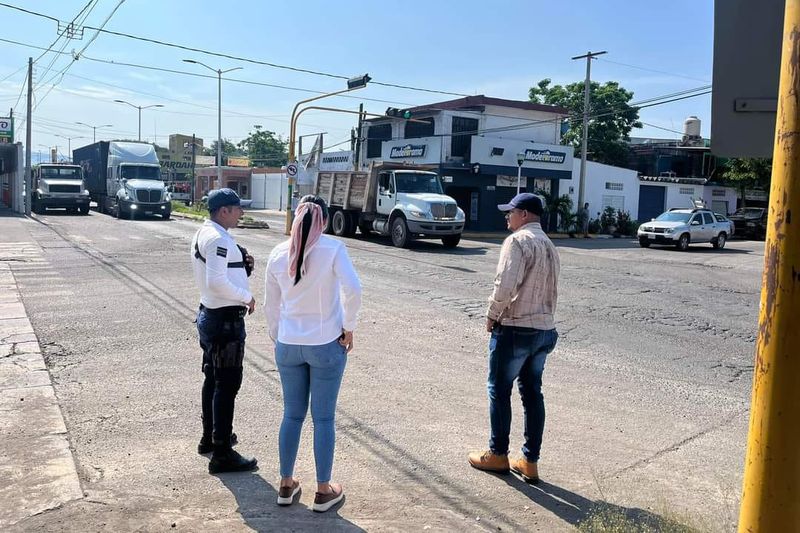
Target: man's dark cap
x,y
222,198
527,201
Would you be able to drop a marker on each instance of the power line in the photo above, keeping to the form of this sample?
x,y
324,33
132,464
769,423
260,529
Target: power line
x,y
88,8
236,58
647,69
77,55
199,75
613,110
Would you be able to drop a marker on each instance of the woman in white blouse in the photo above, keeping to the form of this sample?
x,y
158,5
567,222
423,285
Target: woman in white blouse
x,y
311,301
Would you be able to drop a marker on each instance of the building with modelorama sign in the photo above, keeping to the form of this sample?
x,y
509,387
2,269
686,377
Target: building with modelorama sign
x,y
473,143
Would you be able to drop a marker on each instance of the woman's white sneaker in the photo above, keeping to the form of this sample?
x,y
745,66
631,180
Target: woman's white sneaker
x,y
323,502
286,494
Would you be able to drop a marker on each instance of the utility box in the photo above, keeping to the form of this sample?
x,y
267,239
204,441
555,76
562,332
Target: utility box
x,y
747,57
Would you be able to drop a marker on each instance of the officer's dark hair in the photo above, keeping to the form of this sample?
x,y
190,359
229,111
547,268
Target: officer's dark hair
x,y
306,228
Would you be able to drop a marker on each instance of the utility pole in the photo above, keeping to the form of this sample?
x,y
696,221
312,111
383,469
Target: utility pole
x,y
770,489
357,150
194,148
585,138
28,174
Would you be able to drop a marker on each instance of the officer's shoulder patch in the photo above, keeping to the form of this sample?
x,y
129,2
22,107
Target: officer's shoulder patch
x,y
222,251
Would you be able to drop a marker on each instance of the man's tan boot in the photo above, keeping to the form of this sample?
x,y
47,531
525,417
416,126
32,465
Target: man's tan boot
x,y
528,470
489,462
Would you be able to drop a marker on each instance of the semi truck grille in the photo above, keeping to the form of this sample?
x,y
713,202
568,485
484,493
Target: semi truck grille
x,y
440,211
150,197
65,188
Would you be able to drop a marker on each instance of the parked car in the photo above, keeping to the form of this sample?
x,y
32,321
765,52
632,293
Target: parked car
x,y
680,227
751,222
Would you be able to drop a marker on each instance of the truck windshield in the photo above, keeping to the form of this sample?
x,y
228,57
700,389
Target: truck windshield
x,y
417,182
61,173
133,172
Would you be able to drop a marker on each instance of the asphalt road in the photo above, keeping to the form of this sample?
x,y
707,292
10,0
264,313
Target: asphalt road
x,y
647,392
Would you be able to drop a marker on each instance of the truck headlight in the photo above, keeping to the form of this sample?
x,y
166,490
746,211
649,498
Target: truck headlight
x,y
419,214
669,230
460,214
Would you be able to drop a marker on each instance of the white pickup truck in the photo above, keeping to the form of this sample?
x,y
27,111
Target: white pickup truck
x,y
402,201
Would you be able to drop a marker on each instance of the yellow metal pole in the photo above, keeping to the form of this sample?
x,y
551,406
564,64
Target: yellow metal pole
x,y
771,491
292,133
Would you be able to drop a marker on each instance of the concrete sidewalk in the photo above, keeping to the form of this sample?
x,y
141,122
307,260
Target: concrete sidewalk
x,y
37,470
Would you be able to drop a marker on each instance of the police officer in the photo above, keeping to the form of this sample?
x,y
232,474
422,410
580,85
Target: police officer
x,y
221,269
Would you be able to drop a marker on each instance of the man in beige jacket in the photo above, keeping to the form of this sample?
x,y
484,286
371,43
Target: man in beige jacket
x,y
520,318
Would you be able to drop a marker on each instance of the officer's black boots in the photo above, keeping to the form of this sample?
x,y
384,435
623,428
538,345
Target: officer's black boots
x,y
226,459
206,446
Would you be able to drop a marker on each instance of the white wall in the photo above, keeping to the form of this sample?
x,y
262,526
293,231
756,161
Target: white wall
x,y
269,191
717,197
677,195
595,191
547,127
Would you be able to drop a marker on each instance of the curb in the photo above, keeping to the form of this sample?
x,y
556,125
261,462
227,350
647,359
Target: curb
x,y
37,468
258,224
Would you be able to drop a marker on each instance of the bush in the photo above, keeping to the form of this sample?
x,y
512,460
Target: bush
x,y
594,225
626,226
608,219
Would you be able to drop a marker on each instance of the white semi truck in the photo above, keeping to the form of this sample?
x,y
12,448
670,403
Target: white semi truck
x,y
401,201
124,178
59,186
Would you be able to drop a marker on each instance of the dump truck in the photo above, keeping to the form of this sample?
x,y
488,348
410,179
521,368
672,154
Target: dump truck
x,y
401,201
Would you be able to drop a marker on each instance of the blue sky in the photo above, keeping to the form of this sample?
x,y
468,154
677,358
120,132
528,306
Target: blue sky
x,y
498,48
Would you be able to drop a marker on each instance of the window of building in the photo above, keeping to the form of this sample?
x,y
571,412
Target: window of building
x,y
617,202
614,186
375,136
460,145
718,192
414,130
686,190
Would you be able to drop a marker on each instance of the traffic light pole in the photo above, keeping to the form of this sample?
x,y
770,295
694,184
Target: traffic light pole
x,y
771,488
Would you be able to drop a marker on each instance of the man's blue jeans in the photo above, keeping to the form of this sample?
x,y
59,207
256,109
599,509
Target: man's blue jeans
x,y
314,371
518,353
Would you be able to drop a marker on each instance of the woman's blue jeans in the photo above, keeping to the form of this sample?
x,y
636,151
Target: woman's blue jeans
x,y
313,372
518,353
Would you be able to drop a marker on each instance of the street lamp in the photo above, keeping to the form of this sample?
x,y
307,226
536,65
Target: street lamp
x,y
353,84
520,160
140,112
40,152
69,144
219,111
94,129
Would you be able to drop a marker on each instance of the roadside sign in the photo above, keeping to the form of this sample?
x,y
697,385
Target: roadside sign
x,y
291,169
6,130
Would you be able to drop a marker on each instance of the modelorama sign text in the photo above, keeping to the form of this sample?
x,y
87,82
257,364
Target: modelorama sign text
x,y
545,156
409,150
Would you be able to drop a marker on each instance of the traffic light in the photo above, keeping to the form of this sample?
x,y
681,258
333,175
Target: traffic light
x,y
398,113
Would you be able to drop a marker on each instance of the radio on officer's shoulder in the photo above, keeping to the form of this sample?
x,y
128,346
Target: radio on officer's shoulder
x,y
247,266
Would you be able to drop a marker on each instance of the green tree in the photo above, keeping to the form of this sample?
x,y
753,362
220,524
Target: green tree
x,y
609,128
228,148
264,148
748,173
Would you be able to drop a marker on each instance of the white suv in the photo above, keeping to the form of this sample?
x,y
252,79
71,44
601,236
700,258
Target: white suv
x,y
679,227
